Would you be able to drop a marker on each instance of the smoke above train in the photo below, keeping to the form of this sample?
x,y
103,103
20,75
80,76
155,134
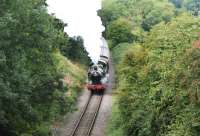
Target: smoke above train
x,y
82,19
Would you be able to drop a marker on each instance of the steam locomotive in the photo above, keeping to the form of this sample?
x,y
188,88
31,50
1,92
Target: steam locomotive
x,y
98,73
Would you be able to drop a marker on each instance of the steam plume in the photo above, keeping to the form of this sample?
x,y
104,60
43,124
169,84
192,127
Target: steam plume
x,y
82,19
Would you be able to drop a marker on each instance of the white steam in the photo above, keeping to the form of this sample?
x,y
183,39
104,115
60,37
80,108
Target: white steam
x,y
82,19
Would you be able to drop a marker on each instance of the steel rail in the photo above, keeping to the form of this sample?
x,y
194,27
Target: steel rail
x,y
90,128
95,116
81,116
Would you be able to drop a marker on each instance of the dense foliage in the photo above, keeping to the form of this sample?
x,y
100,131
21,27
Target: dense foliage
x,y
148,12
193,6
177,3
158,76
160,90
35,80
125,22
120,31
75,51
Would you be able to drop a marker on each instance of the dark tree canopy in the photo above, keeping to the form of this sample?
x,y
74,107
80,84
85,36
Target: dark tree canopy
x,y
76,51
193,6
177,3
31,96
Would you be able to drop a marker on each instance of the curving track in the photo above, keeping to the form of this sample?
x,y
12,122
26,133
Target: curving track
x,y
88,116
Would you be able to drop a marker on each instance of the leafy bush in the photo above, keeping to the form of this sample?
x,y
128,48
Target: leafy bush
x,y
159,81
119,51
32,94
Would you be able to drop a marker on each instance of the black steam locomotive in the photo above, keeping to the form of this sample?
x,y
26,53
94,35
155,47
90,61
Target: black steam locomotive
x,y
98,73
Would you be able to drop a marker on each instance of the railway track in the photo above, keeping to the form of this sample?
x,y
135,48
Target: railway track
x,y
88,116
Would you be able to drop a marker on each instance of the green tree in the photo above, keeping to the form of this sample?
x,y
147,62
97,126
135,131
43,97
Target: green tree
x,y
160,12
159,81
120,31
177,3
31,95
193,6
76,51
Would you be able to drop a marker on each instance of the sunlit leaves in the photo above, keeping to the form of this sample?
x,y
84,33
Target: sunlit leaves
x,y
120,31
159,81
